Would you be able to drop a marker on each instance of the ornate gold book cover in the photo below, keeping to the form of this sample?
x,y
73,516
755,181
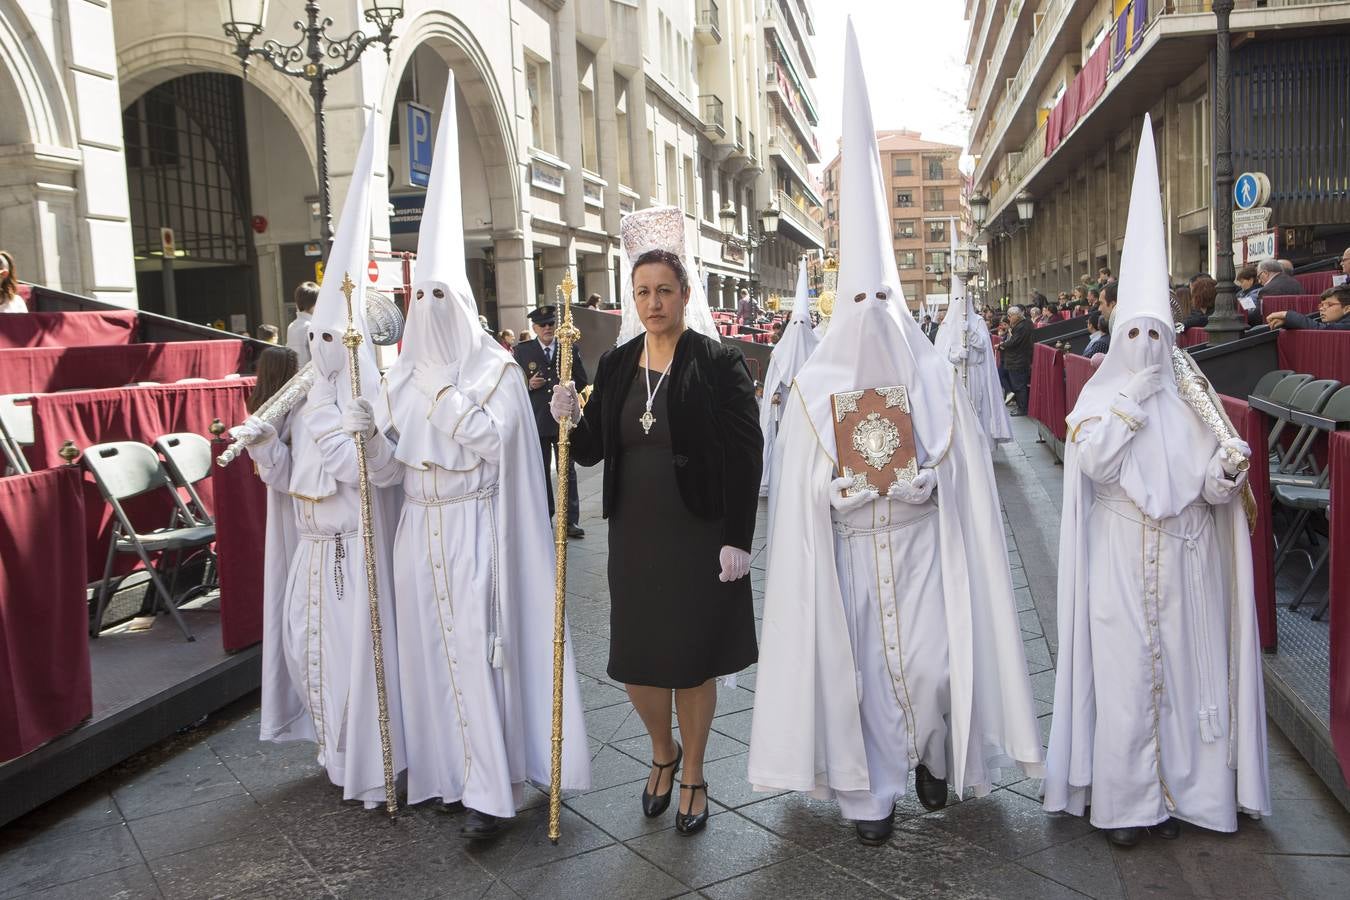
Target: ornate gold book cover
x,y
874,437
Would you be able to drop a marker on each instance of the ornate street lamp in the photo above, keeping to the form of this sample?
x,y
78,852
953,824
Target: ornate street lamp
x,y
754,238
1026,206
315,57
979,209
1227,322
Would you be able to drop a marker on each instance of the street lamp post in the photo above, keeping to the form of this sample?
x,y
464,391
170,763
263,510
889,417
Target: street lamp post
x,y
315,57
1227,323
753,240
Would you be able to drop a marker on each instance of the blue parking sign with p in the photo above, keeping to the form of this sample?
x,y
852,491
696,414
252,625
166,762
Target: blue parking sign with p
x,y
419,139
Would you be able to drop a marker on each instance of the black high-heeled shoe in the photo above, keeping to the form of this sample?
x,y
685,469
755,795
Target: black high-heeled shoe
x,y
655,804
690,823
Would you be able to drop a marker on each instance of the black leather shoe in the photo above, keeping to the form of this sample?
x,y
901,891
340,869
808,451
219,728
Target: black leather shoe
x,y
875,833
1124,837
480,826
576,531
655,804
693,823
1169,829
932,792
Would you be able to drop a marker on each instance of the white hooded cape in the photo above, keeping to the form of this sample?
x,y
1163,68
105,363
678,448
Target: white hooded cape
x,y
807,729
963,340
793,349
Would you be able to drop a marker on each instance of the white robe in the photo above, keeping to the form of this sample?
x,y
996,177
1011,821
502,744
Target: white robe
x,y
475,583
828,715
1159,704
325,635
979,374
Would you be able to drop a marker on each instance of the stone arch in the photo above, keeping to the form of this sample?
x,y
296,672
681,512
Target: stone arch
x,y
30,86
455,42
143,65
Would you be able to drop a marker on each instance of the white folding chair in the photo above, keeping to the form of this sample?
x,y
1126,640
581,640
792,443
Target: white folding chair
x,y
125,469
16,430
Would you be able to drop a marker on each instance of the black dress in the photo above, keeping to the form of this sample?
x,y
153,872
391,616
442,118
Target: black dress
x,y
673,622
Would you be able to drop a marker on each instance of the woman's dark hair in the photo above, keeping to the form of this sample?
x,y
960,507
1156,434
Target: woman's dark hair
x,y
9,285
276,365
1246,273
665,258
1203,290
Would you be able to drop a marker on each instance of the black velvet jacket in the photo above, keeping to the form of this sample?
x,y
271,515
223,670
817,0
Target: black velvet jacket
x,y
717,447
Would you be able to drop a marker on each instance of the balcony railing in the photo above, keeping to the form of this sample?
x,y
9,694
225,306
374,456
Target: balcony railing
x,y
712,112
786,146
795,212
708,26
988,91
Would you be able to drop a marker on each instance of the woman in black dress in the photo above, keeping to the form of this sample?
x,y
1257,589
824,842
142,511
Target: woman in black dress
x,y
673,415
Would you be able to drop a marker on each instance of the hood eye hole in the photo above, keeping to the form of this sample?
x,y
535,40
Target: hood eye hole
x,y
311,335
1153,334
327,336
881,295
421,294
1134,333
858,298
437,293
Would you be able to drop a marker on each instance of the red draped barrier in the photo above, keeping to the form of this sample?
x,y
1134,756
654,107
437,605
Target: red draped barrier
x,y
1046,402
1339,584
1077,371
1192,337
241,544
38,370
67,329
45,687
1321,354
1316,282
1304,303
1253,427
129,414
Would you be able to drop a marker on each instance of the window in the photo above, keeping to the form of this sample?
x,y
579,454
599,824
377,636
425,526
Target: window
x,y
937,232
904,198
709,201
905,259
540,89
904,228
937,261
902,165
935,199
672,177
1199,149
933,166
590,137
621,123
690,193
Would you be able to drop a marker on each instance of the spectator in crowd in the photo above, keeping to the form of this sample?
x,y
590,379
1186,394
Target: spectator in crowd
x,y
268,333
1016,350
1064,299
1334,307
930,329
1098,342
1094,294
777,334
1287,266
1196,277
593,301
276,365
483,324
1246,283
507,338
1275,281
1345,267
11,301
747,311
1044,317
1104,276
1202,291
297,333
1106,304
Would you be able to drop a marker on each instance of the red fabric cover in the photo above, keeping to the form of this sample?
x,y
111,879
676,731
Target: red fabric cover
x,y
1321,354
40,370
1252,426
1192,336
45,687
67,329
1339,461
1093,78
1316,282
129,414
1046,402
1304,303
241,537
1077,371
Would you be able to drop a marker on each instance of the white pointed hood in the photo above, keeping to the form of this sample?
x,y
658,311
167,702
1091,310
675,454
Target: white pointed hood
x,y
872,341
443,328
961,315
1167,457
793,349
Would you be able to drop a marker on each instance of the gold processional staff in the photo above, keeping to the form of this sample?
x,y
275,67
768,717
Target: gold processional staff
x,y
566,335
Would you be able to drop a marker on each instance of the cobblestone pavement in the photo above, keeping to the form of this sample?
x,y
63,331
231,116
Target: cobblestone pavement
x,y
214,813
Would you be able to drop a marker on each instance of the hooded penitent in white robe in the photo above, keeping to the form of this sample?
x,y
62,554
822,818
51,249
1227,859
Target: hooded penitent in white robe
x,y
963,340
789,355
1159,706
475,584
890,634
325,634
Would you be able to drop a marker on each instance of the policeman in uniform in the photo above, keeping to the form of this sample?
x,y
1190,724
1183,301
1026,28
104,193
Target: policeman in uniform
x,y
538,359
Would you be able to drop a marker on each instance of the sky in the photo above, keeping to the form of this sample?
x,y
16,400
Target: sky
x,y
914,56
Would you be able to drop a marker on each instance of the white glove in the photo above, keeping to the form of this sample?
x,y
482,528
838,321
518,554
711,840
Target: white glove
x,y
917,491
735,564
844,504
956,355
432,380
358,417
1143,384
565,402
254,432
1229,468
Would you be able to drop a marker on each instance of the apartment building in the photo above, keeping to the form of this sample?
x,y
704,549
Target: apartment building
x,y
929,197
1058,92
